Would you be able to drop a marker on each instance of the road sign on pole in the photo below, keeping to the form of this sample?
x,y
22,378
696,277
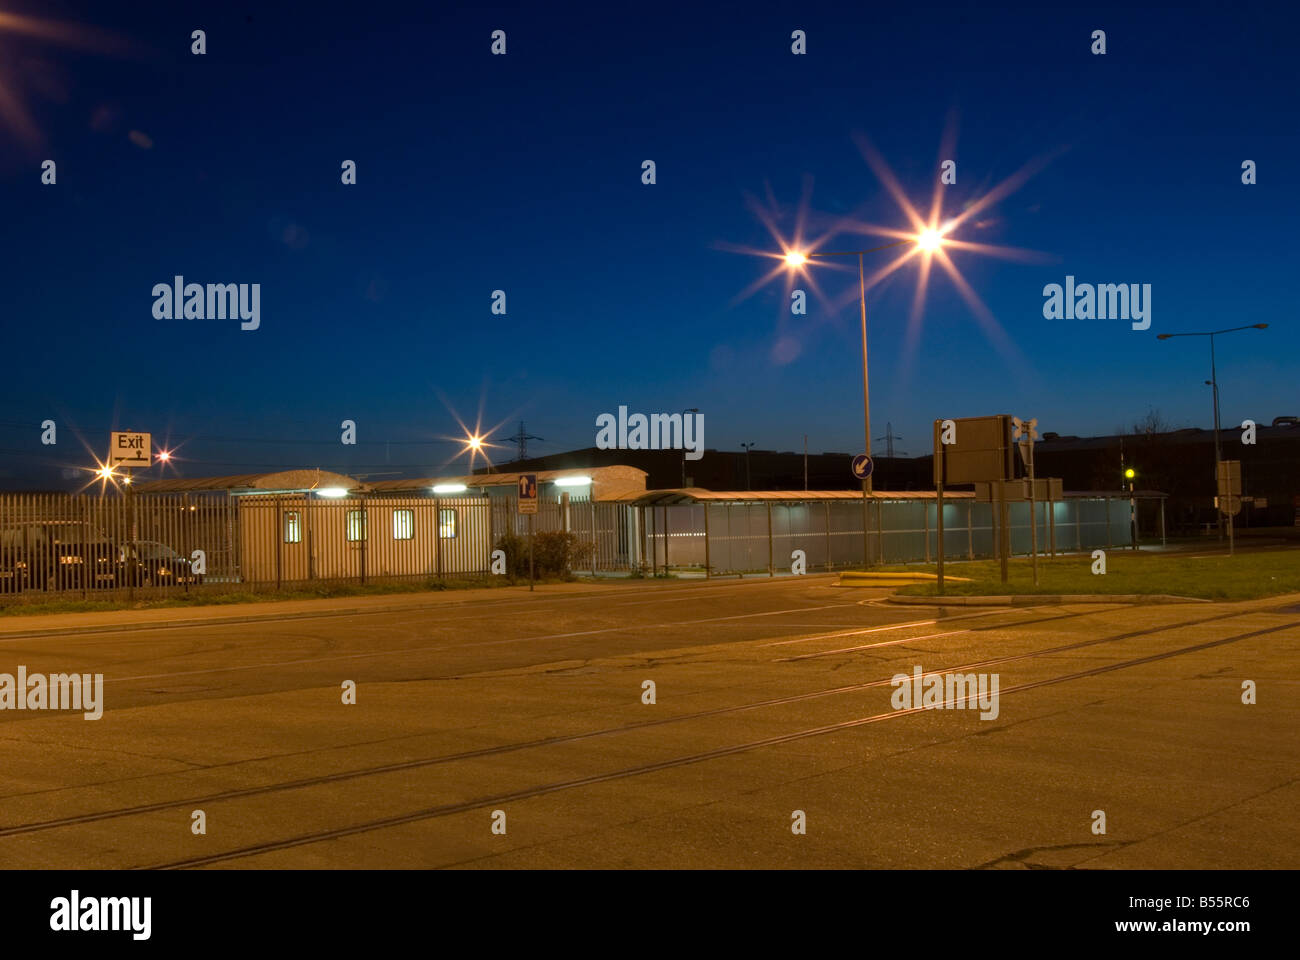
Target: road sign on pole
x,y
1025,433
527,493
974,450
130,449
1228,475
862,466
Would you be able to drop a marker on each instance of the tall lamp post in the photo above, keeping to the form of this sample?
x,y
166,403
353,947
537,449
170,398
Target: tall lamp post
x,y
927,240
747,447
1214,382
685,413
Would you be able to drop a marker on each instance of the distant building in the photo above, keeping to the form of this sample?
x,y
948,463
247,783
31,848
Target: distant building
x,y
1179,463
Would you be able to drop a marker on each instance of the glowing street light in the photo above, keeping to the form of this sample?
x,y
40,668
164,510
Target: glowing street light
x,y
928,240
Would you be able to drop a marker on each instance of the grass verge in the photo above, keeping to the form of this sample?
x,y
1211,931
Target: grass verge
x,y
214,598
1247,576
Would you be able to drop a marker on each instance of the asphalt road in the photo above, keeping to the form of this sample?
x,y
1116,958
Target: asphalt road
x,y
771,697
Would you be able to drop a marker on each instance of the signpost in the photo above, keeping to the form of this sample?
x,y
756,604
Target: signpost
x,y
1025,434
130,449
528,507
1228,476
973,450
862,466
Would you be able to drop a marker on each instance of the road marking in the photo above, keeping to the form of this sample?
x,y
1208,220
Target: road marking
x,y
868,646
892,626
628,628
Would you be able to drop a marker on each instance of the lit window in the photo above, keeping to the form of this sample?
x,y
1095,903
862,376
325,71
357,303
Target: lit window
x,y
292,527
356,525
403,524
447,524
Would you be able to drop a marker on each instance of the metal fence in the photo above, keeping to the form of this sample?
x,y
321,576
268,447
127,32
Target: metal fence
x,y
99,546
90,545
730,538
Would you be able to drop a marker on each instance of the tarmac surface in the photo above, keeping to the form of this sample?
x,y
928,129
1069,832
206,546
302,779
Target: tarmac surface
x,y
771,697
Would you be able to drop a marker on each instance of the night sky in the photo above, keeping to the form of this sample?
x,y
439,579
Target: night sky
x,y
523,173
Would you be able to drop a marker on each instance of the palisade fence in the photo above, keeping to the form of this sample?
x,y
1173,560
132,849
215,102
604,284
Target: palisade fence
x,y
735,538
92,545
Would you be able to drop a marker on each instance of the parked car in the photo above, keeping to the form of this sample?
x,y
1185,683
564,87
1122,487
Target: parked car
x,y
154,564
56,555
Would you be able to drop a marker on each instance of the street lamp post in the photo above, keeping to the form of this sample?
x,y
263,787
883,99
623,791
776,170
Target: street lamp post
x,y
1214,382
685,413
747,447
929,240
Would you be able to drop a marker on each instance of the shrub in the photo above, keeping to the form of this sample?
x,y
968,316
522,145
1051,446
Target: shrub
x,y
555,553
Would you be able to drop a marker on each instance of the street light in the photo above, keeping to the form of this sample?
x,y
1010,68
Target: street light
x,y
747,447
1214,382
928,240
687,411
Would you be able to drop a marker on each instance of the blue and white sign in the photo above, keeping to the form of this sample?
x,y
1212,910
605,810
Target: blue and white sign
x,y
862,466
528,493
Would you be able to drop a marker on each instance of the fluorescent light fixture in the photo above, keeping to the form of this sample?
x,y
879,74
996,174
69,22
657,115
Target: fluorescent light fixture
x,y
449,488
331,492
571,481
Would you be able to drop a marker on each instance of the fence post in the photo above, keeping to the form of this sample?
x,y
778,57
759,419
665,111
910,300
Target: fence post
x,y
829,564
279,542
708,564
771,568
925,530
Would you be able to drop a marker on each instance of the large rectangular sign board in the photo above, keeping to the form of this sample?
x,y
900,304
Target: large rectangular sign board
x,y
979,451
1045,489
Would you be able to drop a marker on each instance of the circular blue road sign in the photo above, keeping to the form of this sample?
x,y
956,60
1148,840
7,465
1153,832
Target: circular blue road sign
x,y
862,466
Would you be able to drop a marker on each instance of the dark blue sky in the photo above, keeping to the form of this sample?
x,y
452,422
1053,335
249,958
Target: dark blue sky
x,y
522,173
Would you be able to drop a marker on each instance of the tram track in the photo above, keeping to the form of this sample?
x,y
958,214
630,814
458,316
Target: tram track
x,y
501,749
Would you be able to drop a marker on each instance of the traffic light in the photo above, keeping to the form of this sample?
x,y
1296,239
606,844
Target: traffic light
x,y
1130,473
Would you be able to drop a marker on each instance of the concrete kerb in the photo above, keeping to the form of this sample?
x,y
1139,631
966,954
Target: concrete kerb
x,y
1039,600
115,621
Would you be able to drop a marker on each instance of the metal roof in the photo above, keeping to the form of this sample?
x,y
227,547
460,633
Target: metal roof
x,y
700,495
506,479
285,480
